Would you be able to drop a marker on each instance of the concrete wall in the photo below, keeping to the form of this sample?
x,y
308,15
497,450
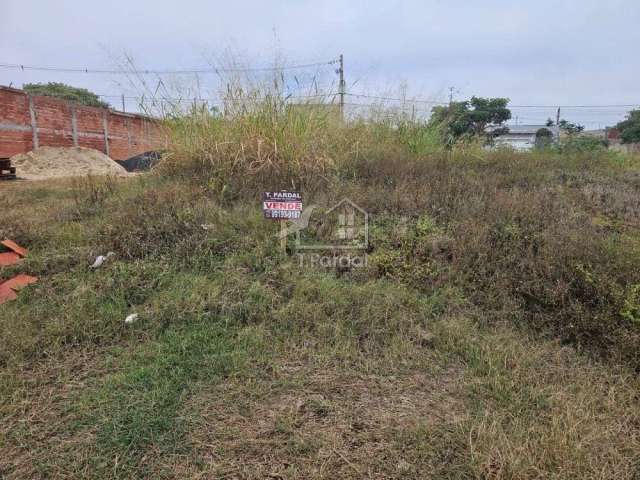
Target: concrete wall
x,y
30,121
624,147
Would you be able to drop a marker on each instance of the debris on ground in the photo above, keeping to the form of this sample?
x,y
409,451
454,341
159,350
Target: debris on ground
x,y
20,281
6,294
100,259
9,258
9,288
14,256
131,318
7,172
58,162
11,245
142,162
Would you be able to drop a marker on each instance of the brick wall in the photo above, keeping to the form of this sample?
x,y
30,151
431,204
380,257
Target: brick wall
x,y
29,121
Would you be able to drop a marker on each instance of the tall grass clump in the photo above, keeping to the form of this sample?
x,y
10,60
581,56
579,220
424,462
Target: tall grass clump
x,y
257,140
261,139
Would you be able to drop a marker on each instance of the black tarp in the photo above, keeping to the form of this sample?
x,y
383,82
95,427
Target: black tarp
x,y
144,161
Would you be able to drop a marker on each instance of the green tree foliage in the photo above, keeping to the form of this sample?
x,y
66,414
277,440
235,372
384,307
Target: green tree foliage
x,y
567,126
65,92
478,117
570,127
582,144
630,128
544,138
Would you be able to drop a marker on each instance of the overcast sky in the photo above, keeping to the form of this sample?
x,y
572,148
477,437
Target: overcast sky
x,y
543,52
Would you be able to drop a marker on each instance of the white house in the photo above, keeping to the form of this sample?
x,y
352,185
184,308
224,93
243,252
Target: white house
x,y
523,137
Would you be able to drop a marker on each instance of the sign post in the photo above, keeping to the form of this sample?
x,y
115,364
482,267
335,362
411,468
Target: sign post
x,y
282,206
283,236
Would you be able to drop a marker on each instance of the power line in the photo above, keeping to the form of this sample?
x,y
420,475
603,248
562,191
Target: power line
x,y
417,100
574,106
9,66
209,99
326,95
221,102
213,70
377,97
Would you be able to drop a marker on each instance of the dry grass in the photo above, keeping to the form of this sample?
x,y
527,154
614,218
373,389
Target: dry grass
x,y
41,431
539,410
494,333
310,422
475,404
470,403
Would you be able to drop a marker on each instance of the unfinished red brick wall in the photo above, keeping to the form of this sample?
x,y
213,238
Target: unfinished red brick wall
x,y
15,124
27,122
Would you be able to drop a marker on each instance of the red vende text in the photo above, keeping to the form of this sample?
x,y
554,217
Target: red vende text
x,y
283,205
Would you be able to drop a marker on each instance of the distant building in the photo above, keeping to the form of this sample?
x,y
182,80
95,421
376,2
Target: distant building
x,y
525,137
614,141
613,134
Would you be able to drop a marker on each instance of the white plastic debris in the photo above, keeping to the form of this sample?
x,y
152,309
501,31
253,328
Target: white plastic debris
x,y
100,259
131,318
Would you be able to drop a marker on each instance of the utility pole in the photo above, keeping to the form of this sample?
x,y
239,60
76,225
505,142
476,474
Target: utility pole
x,y
451,89
558,122
123,107
341,88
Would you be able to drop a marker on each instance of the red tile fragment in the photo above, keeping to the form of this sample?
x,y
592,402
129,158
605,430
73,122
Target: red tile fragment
x,y
6,294
9,258
19,282
11,245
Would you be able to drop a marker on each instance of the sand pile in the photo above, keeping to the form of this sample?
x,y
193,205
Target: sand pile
x,y
57,162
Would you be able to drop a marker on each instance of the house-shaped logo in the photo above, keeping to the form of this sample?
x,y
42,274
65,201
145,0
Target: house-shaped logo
x,y
345,226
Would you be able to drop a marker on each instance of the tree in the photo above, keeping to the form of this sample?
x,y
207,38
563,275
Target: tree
x,y
582,144
630,128
479,117
570,128
65,92
544,138
566,126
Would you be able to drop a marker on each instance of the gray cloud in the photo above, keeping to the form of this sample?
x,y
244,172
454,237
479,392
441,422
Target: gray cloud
x,y
542,53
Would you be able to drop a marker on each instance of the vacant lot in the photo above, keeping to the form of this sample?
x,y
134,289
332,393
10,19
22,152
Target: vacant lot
x,y
494,332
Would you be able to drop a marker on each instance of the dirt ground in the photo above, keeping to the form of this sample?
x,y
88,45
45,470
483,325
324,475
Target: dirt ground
x,y
53,162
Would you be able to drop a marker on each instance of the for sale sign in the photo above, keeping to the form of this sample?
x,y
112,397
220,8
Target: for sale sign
x,y
282,205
